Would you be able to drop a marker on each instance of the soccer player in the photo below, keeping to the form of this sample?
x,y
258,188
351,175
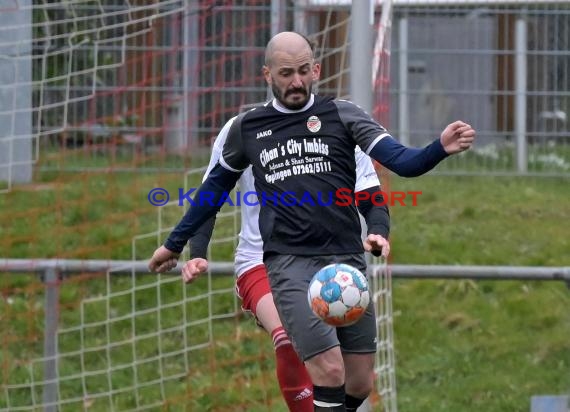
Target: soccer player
x,y
252,283
304,144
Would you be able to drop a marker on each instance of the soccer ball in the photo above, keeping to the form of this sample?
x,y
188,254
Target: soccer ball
x,y
338,294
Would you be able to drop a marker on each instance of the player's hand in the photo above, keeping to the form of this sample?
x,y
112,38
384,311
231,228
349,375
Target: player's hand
x,y
377,245
193,268
457,137
163,260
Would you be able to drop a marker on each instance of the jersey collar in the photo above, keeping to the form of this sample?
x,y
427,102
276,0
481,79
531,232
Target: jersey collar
x,y
277,106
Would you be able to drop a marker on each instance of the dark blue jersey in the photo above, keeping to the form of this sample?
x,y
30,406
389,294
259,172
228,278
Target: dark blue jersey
x,y
300,161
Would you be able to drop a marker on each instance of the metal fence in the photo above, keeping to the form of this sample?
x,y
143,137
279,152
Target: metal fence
x,y
504,69
52,270
140,79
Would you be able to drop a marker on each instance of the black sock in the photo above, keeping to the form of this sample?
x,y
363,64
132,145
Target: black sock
x,y
329,399
352,403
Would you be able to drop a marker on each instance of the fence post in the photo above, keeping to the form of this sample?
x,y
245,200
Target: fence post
x,y
362,24
51,282
521,91
190,79
16,141
403,71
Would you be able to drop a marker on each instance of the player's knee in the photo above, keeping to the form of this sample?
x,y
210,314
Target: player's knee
x,y
334,372
326,369
327,375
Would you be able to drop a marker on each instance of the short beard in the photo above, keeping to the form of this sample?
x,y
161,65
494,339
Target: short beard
x,y
291,106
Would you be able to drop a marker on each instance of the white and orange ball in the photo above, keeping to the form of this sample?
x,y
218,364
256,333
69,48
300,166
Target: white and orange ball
x,y
339,294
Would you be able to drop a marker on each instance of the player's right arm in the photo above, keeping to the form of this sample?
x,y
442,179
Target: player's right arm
x,y
220,181
199,242
201,239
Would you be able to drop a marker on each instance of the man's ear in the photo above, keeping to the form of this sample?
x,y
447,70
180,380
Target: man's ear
x,y
267,74
316,71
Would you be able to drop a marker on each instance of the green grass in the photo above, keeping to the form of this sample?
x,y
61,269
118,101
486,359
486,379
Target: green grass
x,y
482,221
489,345
460,345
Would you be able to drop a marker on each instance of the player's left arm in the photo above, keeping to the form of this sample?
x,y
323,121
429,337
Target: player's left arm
x,y
377,216
373,206
404,161
410,161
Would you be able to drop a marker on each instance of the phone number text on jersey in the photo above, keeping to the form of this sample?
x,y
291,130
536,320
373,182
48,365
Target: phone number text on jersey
x,y
296,170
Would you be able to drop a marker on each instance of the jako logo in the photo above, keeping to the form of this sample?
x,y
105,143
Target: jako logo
x,y
265,133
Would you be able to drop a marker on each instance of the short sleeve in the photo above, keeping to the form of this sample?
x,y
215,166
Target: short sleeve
x,y
363,128
233,156
219,142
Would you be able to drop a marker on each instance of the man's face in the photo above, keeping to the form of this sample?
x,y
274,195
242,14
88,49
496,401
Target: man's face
x,y
291,78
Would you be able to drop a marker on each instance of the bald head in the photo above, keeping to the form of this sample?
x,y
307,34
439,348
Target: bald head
x,y
289,44
290,69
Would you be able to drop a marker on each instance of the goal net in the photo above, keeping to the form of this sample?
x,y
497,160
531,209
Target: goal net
x,y
101,102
